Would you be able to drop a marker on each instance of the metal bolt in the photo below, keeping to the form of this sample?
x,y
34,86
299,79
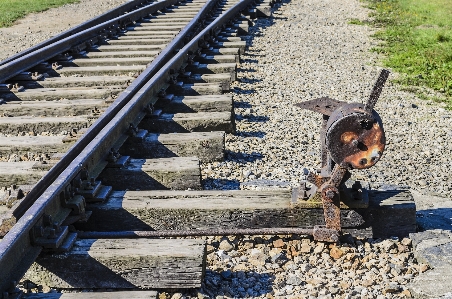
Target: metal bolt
x,y
330,194
38,231
57,227
111,156
52,234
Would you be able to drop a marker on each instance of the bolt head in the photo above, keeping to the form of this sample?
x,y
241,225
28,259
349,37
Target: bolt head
x,y
330,194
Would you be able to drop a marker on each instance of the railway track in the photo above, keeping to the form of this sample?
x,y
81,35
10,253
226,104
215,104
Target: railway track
x,y
99,81
104,129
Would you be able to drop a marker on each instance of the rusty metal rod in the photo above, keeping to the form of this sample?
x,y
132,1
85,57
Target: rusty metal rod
x,y
195,233
376,91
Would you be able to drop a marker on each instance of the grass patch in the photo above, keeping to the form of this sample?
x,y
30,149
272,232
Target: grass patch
x,y
11,10
356,22
417,41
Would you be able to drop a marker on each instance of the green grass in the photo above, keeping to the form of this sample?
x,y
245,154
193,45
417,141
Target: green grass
x,y
356,22
417,41
11,10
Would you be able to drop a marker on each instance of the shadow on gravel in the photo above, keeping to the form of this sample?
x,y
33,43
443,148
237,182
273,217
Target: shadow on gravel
x,y
252,118
243,157
239,90
258,134
434,219
220,184
280,18
250,81
230,283
249,53
242,105
248,70
250,60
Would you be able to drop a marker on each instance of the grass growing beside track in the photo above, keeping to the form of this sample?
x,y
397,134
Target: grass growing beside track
x,y
417,42
11,10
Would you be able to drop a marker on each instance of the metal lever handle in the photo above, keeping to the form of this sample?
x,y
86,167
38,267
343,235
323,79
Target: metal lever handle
x,y
376,91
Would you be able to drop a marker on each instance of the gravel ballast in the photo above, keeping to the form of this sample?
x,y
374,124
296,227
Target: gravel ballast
x,y
307,51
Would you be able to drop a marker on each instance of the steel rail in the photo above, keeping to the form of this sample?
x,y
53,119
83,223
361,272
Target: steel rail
x,y
17,252
111,14
123,98
29,60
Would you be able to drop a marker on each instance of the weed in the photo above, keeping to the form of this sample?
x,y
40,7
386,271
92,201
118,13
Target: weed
x,y
356,22
440,37
416,41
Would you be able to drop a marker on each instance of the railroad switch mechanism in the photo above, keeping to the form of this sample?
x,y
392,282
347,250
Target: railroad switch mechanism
x,y
352,137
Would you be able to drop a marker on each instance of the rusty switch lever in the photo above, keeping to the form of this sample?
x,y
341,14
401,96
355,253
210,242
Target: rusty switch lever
x,y
352,137
376,91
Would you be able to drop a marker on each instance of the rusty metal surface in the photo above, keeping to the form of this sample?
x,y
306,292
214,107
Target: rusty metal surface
x,y
325,234
323,105
376,91
352,195
352,137
355,137
331,198
331,207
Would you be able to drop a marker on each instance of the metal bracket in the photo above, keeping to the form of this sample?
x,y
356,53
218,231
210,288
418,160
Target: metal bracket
x,y
74,202
149,109
89,189
136,134
321,233
50,235
115,160
354,195
12,87
11,195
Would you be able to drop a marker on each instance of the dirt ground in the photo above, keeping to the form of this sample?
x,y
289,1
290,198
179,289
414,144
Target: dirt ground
x,y
38,27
